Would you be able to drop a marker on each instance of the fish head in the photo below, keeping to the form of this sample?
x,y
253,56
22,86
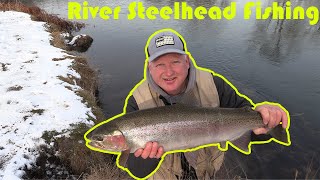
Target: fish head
x,y
114,141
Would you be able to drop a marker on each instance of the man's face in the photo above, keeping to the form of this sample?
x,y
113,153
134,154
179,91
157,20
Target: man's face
x,y
170,71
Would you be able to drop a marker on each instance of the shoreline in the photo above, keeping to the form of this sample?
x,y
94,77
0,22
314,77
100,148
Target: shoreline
x,y
60,151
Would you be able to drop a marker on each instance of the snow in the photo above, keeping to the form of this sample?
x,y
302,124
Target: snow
x,y
65,36
32,98
74,39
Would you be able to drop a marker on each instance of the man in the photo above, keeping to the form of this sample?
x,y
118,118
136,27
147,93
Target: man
x,y
170,75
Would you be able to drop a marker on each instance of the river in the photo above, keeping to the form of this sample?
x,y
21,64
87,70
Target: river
x,y
268,60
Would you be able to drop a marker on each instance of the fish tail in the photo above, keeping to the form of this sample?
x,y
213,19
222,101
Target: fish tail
x,y
279,134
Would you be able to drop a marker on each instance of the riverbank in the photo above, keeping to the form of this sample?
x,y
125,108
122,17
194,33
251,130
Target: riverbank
x,y
48,99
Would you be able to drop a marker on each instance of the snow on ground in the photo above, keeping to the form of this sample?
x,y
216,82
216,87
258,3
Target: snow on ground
x,y
32,98
74,39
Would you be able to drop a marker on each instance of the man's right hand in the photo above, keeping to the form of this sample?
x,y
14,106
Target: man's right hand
x,y
151,150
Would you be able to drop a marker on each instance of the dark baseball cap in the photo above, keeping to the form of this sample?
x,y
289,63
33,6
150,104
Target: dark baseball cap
x,y
164,42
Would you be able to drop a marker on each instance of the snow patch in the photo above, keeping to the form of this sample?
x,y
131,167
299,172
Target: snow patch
x,y
74,39
33,99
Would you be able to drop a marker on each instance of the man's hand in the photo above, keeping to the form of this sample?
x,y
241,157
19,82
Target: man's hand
x,y
272,115
151,150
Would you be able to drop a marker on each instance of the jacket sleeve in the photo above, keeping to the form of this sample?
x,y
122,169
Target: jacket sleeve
x,y
227,95
138,166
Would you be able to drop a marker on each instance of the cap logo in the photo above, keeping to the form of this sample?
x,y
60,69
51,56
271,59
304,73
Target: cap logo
x,y
164,40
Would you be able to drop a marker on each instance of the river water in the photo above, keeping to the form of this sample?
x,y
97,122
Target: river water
x,y
268,60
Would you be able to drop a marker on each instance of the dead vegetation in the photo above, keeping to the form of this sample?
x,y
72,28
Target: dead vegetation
x,y
88,83
312,169
57,40
54,163
88,162
37,111
15,88
106,171
3,159
4,66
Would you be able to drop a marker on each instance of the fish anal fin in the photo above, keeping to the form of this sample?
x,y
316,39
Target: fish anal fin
x,y
192,157
223,146
243,142
124,157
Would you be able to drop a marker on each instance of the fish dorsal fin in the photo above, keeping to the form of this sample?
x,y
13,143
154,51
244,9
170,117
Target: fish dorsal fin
x,y
243,141
189,99
183,105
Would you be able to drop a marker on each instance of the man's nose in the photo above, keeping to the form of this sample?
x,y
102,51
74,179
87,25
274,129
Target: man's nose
x,y
169,71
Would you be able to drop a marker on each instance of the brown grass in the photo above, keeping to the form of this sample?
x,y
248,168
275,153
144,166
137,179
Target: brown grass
x,y
76,156
30,61
69,80
89,84
106,171
90,101
311,170
48,166
72,155
88,79
57,40
94,165
3,160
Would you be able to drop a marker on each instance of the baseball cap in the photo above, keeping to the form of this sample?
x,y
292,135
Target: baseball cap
x,y
164,42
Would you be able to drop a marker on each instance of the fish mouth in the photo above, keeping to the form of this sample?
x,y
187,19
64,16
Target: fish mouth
x,y
96,144
114,143
101,145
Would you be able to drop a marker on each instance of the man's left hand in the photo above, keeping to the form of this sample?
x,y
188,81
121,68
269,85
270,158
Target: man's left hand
x,y
272,115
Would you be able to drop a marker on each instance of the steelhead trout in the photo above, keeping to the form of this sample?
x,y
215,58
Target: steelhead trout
x,y
180,127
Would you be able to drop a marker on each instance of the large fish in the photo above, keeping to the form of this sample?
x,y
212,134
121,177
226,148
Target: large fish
x,y
180,127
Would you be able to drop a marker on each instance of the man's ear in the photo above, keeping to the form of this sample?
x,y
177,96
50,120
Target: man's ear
x,y
188,60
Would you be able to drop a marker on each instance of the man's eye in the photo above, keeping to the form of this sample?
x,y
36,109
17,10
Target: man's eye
x,y
159,65
176,62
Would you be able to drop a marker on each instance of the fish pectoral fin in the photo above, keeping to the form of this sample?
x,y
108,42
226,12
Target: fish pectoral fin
x,y
124,157
279,134
243,142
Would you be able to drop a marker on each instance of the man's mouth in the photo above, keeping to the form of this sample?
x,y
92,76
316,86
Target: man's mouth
x,y
169,79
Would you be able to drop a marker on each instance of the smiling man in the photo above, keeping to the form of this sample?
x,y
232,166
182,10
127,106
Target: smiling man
x,y
171,75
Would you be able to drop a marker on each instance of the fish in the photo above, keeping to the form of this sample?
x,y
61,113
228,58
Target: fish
x,y
180,127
